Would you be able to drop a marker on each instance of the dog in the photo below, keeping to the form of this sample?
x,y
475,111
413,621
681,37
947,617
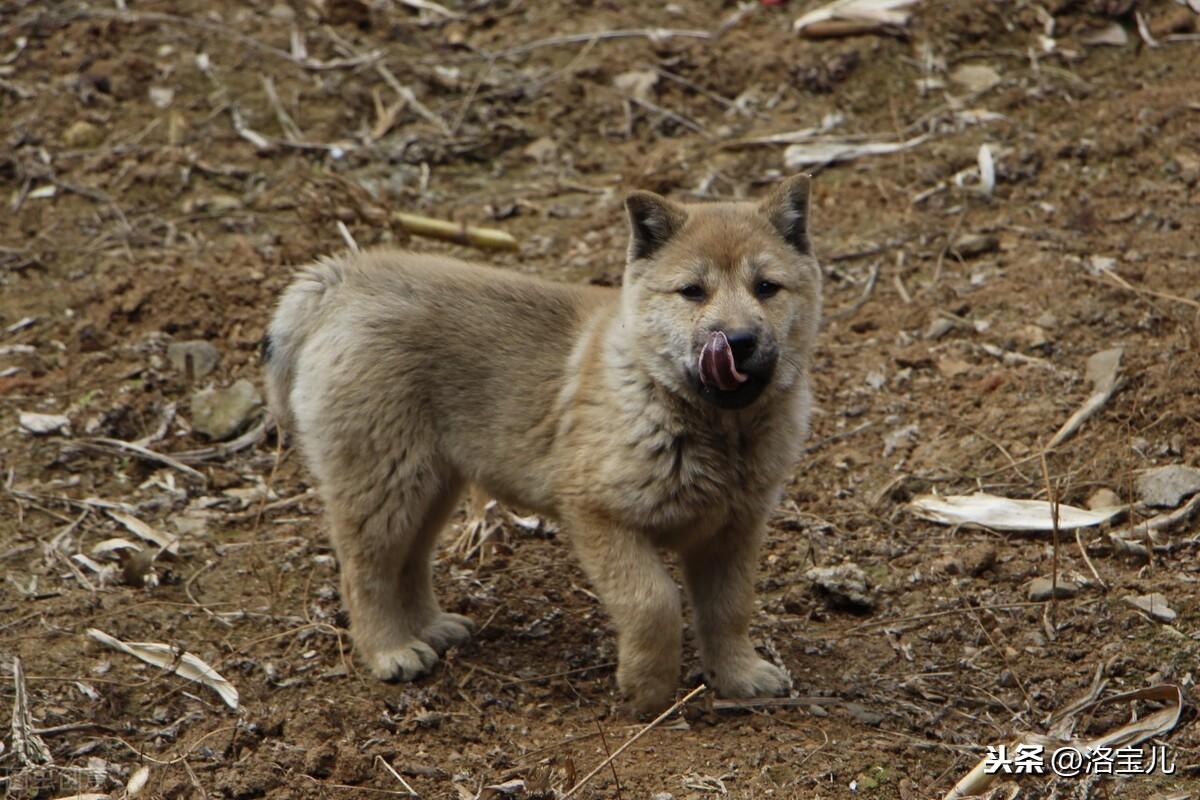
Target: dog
x,y
666,414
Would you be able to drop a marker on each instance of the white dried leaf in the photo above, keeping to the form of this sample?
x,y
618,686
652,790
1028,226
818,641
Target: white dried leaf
x,y
885,12
182,664
828,151
144,531
111,546
1005,514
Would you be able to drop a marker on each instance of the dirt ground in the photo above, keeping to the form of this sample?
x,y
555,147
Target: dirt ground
x,y
141,209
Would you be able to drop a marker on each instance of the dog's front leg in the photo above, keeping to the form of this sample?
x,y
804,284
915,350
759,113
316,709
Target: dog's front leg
x,y
643,601
719,572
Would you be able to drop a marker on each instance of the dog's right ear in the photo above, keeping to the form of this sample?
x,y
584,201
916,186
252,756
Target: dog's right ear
x,y
653,220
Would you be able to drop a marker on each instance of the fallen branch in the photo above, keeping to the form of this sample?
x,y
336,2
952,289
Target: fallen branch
x,y
1102,371
653,724
458,232
102,444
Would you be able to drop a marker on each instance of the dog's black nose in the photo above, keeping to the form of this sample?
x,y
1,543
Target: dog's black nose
x,y
742,344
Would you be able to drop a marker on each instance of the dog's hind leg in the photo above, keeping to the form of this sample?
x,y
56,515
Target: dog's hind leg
x,y
384,526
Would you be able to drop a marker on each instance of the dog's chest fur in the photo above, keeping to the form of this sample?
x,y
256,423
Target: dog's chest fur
x,y
672,469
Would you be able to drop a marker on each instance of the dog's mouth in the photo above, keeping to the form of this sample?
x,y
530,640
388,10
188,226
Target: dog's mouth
x,y
721,382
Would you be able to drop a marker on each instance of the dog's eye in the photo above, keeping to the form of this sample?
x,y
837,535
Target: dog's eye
x,y
765,289
693,291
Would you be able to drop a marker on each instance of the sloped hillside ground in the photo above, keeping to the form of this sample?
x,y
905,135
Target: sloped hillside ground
x,y
166,166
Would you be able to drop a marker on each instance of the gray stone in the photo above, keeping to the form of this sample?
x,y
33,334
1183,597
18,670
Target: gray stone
x,y
1041,588
204,357
863,714
1103,498
974,244
1167,486
221,413
844,586
1153,604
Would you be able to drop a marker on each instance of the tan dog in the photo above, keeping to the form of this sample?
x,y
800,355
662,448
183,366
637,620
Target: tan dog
x,y
666,414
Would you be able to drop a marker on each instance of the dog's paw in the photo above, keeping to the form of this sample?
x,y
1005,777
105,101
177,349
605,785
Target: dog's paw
x,y
646,692
403,663
448,630
751,677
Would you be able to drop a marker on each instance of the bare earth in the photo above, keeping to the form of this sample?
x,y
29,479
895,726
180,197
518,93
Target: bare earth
x,y
136,215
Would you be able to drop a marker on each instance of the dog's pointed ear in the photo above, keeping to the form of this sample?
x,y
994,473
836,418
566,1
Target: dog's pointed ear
x,y
787,208
653,220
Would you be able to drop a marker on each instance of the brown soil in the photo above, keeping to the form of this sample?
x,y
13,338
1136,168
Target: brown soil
x,y
167,225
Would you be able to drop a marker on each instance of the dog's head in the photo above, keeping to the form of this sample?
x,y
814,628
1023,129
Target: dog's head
x,y
722,300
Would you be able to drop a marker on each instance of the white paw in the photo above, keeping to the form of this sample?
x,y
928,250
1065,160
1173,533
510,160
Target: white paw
x,y
404,663
750,677
448,630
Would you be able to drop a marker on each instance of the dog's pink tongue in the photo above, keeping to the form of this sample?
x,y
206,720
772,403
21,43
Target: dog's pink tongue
x,y
717,367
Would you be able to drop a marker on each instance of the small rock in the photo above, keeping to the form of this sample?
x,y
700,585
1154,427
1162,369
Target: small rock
x,y
863,714
899,438
1041,588
212,204
974,244
1033,336
817,711
541,150
1111,35
1103,498
662,796
161,96
43,424
1153,604
939,328
1165,487
844,587
221,413
83,134
203,355
637,83
1047,321
952,367
975,77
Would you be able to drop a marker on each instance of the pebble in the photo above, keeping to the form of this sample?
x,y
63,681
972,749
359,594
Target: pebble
x,y
844,586
1103,498
43,424
975,244
204,357
1165,487
1153,604
83,134
221,413
1041,588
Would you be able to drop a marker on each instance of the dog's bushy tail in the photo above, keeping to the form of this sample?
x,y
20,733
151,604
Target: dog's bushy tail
x,y
296,317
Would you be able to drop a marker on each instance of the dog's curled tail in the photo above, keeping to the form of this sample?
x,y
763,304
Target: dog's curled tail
x,y
296,317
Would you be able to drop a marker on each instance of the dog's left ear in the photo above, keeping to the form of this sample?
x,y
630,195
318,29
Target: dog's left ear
x,y
787,208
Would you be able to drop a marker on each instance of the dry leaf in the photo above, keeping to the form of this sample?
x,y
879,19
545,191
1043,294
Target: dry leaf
x,y
183,664
1102,370
1005,514
828,151
884,12
169,544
